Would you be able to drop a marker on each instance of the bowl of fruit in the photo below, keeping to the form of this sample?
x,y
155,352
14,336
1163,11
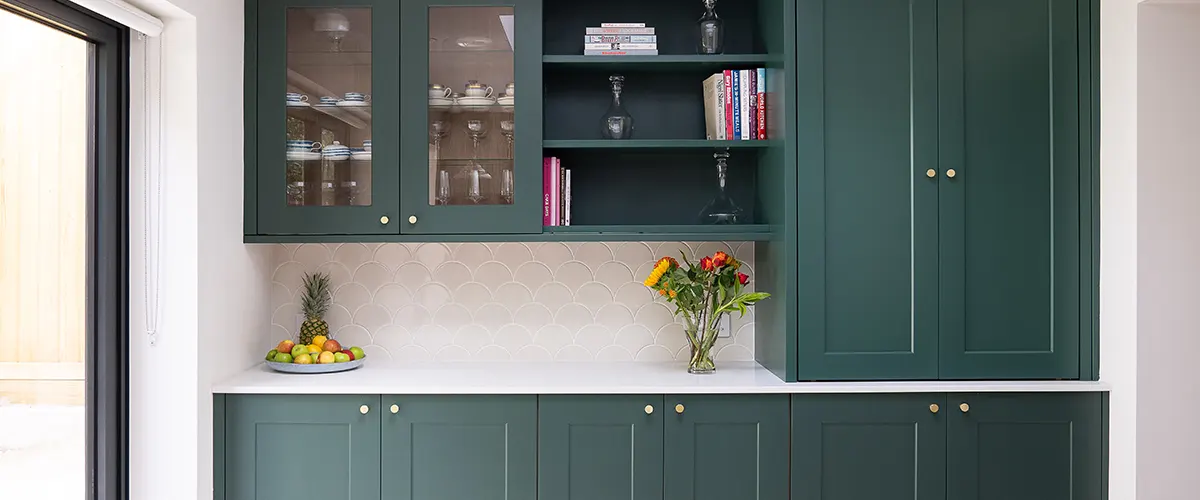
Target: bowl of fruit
x,y
321,356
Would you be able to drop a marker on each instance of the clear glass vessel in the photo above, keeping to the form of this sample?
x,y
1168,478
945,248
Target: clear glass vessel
x,y
617,122
722,209
711,30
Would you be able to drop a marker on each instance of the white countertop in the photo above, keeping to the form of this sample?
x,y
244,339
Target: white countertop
x,y
590,378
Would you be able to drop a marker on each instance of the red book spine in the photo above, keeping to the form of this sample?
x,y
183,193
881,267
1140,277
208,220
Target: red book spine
x,y
762,116
546,163
729,118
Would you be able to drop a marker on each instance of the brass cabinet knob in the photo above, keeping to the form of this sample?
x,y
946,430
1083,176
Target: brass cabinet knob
x,y
364,409
412,219
964,407
384,220
679,409
395,409
951,173
933,408
931,173
649,409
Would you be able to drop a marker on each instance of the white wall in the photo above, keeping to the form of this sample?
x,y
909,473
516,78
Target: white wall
x,y
1168,249
214,288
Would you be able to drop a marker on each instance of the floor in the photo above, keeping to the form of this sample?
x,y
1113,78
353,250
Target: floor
x,y
42,452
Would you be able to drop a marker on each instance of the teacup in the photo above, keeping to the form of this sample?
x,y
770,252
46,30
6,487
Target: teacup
x,y
296,97
476,89
301,145
437,91
508,89
329,100
367,144
358,97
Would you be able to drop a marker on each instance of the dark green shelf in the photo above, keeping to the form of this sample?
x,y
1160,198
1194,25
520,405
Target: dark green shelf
x,y
654,144
662,62
741,232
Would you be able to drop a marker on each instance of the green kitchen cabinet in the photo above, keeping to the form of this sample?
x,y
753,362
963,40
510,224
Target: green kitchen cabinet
x,y
945,214
473,167
478,447
1030,446
869,447
345,50
726,446
600,447
301,447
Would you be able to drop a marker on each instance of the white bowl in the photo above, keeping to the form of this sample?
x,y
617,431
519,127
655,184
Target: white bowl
x,y
353,104
361,156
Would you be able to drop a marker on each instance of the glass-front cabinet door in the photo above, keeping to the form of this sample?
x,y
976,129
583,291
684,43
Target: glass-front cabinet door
x,y
328,108
471,152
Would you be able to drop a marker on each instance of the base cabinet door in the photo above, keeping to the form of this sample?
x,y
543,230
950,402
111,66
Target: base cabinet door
x,y
477,447
600,447
1027,446
869,447
285,447
724,447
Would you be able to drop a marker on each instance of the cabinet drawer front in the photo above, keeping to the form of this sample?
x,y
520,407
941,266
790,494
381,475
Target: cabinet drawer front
x,y
600,447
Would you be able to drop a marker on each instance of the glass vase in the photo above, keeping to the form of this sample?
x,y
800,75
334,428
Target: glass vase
x,y
722,209
617,123
711,30
701,360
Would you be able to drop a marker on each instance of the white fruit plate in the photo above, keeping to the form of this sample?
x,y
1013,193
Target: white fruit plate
x,y
325,368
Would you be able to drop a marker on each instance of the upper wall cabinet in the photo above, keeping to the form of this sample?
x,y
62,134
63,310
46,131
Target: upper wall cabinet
x,y
324,117
945,187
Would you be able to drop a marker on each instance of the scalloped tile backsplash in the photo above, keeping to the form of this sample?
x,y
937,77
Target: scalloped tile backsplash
x,y
499,301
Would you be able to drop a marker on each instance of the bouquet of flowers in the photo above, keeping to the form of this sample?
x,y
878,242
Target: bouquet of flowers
x,y
702,293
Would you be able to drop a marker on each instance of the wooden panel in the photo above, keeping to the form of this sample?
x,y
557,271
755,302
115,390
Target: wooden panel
x,y
43,208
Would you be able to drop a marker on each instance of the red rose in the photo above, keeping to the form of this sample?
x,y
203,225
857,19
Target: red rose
x,y
706,264
743,278
720,259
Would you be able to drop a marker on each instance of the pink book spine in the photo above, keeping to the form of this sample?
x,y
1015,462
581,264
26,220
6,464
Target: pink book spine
x,y
729,118
554,191
546,162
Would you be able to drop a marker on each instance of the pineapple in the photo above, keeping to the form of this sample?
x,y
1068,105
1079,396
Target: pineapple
x,y
315,304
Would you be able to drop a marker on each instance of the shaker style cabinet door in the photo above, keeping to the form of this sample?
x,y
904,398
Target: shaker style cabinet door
x,y
869,178
302,447
443,447
327,116
472,154
1010,214
1044,446
600,447
726,446
869,447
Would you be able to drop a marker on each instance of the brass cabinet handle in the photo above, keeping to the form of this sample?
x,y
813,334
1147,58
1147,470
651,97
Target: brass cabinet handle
x,y
679,408
931,173
364,409
384,220
649,409
412,219
964,407
951,173
933,408
395,409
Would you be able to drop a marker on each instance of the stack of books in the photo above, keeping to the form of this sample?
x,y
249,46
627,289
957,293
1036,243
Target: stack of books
x,y
556,193
620,39
735,107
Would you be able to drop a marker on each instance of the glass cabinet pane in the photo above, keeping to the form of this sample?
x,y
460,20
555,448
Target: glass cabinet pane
x,y
471,106
328,150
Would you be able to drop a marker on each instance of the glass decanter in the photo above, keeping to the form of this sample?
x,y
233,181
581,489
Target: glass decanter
x,y
617,123
722,209
711,30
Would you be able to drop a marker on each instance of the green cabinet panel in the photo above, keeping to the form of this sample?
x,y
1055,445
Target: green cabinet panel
x,y
280,69
1027,446
301,447
478,447
1010,217
726,446
868,447
868,242
429,51
600,447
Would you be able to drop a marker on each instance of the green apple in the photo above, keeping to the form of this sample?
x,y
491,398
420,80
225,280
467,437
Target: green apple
x,y
298,350
358,352
283,357
271,355
340,357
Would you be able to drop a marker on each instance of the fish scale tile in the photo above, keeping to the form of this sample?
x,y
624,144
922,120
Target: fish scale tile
x,y
500,301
